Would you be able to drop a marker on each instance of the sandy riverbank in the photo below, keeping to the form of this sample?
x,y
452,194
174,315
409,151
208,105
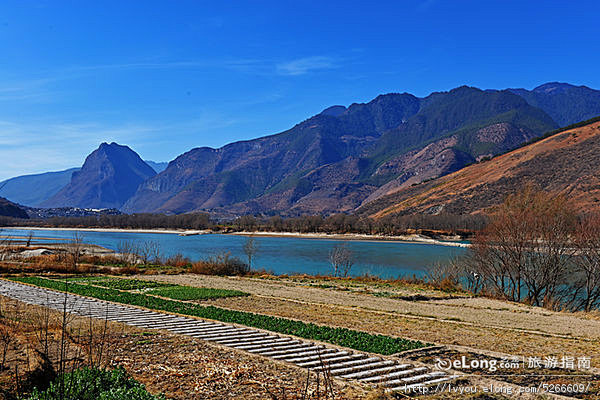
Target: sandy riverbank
x,y
414,238
357,236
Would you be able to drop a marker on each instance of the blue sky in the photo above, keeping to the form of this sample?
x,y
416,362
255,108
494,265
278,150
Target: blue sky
x,y
166,76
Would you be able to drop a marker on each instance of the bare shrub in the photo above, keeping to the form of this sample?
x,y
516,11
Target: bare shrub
x,y
106,259
63,262
74,249
222,264
178,261
149,252
128,252
128,270
446,276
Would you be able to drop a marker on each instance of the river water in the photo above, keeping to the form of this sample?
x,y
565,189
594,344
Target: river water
x,y
280,255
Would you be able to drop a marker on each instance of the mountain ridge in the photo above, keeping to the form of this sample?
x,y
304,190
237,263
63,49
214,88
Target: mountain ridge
x,y
299,170
12,210
565,103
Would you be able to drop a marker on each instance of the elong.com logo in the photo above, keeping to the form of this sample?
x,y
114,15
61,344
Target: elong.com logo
x,y
491,365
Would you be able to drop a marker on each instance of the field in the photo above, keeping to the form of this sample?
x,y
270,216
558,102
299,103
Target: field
x,y
168,290
413,312
384,317
465,325
357,340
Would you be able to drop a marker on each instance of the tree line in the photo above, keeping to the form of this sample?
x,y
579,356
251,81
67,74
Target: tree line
x,y
338,223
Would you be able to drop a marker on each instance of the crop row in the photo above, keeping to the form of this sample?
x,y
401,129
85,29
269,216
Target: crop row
x,y
129,284
169,290
195,293
118,283
357,340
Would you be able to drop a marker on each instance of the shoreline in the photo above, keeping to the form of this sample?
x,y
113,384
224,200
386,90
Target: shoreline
x,y
413,238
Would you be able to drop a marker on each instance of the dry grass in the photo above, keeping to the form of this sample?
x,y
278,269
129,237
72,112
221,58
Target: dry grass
x,y
181,367
35,348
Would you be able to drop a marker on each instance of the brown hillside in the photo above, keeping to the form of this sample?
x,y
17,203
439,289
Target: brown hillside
x,y
568,162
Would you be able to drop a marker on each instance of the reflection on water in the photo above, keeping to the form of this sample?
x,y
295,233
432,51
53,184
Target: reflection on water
x,y
281,255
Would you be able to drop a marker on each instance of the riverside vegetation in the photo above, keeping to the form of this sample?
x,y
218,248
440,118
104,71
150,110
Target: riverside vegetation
x,y
333,224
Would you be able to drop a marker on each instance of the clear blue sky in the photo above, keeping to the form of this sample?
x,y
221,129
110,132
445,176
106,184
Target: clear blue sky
x,y
166,76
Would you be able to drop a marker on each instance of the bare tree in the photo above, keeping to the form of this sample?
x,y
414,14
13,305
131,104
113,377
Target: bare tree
x,y
75,248
450,275
251,247
6,340
4,246
587,243
341,259
129,251
29,238
246,222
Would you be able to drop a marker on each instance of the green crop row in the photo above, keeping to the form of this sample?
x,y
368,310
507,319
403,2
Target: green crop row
x,y
118,283
357,340
195,293
169,290
129,284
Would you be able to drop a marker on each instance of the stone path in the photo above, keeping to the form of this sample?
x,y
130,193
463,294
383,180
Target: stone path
x,y
342,363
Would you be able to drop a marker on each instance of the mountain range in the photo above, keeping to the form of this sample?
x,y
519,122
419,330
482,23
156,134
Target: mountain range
x,y
339,160
32,190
